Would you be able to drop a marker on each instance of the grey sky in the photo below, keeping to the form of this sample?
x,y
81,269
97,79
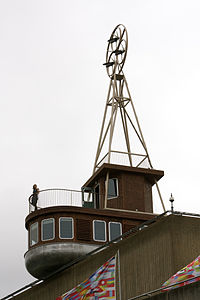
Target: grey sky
x,y
53,90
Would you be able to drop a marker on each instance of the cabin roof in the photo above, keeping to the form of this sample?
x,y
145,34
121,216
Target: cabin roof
x,y
151,175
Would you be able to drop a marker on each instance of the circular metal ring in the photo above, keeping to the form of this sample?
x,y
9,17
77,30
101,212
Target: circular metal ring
x,y
116,50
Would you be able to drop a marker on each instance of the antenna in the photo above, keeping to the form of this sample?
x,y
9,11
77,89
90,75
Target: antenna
x,y
119,103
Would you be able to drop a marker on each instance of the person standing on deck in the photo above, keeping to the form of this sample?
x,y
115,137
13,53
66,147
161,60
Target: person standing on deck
x,y
35,196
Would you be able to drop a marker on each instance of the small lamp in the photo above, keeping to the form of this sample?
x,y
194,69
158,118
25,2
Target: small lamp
x,y
171,199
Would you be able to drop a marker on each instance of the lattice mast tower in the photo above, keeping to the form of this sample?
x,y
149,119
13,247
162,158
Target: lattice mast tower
x,y
119,103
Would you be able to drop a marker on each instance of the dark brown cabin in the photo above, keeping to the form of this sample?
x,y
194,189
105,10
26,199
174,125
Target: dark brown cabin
x,y
129,188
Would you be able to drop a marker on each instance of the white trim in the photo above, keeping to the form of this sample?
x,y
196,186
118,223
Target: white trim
x,y
30,240
69,218
110,230
53,229
95,195
104,231
114,197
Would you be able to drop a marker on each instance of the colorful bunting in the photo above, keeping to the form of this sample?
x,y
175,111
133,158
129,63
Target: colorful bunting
x,y
100,285
190,272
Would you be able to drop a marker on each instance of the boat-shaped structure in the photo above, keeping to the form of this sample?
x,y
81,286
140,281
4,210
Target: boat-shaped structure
x,y
68,224
62,224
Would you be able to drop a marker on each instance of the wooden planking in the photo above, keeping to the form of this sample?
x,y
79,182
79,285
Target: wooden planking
x,y
83,230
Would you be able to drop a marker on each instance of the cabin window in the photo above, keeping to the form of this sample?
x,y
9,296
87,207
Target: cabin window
x,y
34,234
112,188
48,229
99,230
115,230
66,228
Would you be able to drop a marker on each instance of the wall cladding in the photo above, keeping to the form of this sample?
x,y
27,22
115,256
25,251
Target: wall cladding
x,y
83,228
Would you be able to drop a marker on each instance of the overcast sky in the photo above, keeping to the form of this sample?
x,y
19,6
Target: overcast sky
x,y
53,90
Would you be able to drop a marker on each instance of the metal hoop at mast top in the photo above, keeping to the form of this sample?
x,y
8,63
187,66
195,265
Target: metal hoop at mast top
x,y
116,50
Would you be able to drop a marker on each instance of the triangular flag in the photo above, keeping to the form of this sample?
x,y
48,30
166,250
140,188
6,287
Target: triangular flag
x,y
100,285
189,274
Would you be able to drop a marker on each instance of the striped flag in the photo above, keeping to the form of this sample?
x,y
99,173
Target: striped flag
x,y
189,274
100,285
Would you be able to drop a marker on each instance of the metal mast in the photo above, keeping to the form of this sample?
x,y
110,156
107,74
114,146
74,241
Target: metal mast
x,y
119,102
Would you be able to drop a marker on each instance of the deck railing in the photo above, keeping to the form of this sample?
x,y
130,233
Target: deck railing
x,y
61,197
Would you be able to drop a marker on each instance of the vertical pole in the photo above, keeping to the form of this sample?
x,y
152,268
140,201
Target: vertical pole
x,y
119,275
111,132
125,133
106,190
124,123
128,142
111,119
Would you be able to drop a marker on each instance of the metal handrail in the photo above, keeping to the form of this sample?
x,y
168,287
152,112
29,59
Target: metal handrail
x,y
60,197
63,197
120,159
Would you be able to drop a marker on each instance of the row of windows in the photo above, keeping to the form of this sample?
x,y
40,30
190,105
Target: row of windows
x,y
99,230
66,230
